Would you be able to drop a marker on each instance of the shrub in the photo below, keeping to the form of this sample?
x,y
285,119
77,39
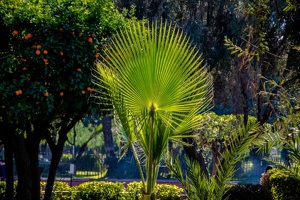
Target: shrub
x,y
285,185
248,192
168,192
163,191
61,191
134,190
100,191
2,189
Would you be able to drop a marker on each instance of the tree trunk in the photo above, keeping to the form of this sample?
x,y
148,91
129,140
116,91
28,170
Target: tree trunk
x,y
110,160
194,154
216,157
33,152
24,187
108,137
57,151
56,156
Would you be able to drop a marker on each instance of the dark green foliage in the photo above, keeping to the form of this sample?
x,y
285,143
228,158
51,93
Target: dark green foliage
x,y
87,163
285,185
248,192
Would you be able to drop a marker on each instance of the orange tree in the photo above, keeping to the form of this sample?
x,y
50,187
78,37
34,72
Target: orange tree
x,y
48,49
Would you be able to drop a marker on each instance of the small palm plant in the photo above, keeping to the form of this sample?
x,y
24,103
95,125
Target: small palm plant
x,y
157,86
200,187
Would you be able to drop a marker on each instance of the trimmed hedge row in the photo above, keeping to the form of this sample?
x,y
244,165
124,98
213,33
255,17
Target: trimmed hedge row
x,y
284,186
102,190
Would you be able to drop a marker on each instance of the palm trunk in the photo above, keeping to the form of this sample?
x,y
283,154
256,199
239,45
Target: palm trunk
x,y
151,163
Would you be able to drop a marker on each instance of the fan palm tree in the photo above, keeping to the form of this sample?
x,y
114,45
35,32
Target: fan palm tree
x,y
157,86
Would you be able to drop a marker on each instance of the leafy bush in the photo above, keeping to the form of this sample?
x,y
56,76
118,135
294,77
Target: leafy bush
x,y
61,191
248,192
100,191
163,191
134,190
285,185
2,189
168,192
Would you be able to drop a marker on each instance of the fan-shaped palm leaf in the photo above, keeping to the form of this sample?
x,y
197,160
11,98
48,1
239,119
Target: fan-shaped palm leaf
x,y
157,85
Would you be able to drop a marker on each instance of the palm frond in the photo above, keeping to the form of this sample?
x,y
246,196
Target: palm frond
x,y
236,149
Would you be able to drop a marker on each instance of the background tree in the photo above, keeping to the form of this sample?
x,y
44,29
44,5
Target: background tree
x,y
46,87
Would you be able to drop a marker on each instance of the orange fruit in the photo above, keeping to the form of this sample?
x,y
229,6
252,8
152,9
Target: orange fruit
x,y
37,103
26,37
19,92
78,69
73,32
24,60
29,35
38,46
61,29
15,32
107,58
88,88
24,68
61,53
82,92
97,55
90,40
61,94
45,52
46,61
46,94
93,35
80,34
37,52
34,46
3,107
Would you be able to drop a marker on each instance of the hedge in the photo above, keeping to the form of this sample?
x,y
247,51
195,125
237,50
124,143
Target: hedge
x,y
285,185
104,190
